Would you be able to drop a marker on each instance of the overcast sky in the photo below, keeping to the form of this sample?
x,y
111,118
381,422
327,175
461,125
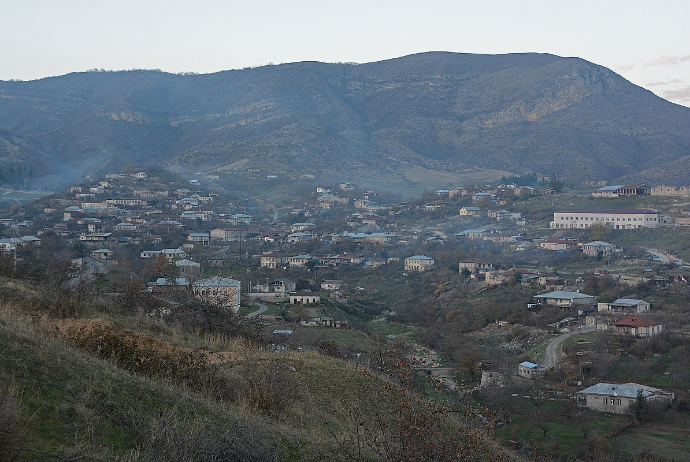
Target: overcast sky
x,y
647,42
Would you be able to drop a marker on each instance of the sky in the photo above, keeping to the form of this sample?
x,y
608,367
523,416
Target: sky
x,y
647,42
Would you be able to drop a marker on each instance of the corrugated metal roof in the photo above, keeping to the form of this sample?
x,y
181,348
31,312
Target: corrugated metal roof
x,y
613,389
565,295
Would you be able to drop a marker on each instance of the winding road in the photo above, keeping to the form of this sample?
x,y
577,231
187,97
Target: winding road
x,y
262,309
552,354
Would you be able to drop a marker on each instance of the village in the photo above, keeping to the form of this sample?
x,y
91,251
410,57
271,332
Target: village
x,y
566,284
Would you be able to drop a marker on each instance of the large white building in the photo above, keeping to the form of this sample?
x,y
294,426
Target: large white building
x,y
418,263
613,218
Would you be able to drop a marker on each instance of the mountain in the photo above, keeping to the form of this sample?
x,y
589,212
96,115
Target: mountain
x,y
427,119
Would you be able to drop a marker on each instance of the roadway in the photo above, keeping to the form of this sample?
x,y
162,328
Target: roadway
x,y
553,349
262,309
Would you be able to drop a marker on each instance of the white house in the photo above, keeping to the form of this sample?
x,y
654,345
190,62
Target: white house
x,y
619,398
418,263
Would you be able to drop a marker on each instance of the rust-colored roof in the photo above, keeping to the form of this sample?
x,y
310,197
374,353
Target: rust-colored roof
x,y
635,321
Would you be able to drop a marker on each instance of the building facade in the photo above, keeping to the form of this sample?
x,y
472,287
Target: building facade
x,y
418,263
612,218
222,291
618,398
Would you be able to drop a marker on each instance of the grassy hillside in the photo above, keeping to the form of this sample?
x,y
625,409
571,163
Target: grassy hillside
x,y
106,387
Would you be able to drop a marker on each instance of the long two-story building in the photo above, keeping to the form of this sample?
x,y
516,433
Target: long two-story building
x,y
613,218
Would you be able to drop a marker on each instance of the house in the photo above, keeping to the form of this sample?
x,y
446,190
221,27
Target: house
x,y
168,285
436,205
624,305
372,220
173,254
229,234
496,278
333,284
219,290
470,212
272,237
304,298
619,398
473,233
622,191
300,236
273,260
7,245
378,238
491,376
374,262
500,237
277,290
592,249
683,191
32,241
171,224
96,237
550,281
501,215
612,218
304,226
637,326
125,226
418,263
475,265
331,199
188,268
239,219
341,294
558,244
102,254
170,254
199,238
480,196
300,261
565,299
341,259
530,370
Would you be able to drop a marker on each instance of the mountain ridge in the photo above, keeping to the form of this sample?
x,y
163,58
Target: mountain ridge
x,y
413,120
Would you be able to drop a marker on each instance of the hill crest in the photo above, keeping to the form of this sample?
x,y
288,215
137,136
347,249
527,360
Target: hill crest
x,y
427,119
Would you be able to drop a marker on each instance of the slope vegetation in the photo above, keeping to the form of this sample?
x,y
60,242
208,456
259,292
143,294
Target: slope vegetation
x,y
417,119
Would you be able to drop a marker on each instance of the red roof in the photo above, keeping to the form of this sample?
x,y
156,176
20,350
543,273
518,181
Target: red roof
x,y
635,321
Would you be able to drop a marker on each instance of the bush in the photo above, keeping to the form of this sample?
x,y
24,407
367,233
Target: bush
x,y
175,438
